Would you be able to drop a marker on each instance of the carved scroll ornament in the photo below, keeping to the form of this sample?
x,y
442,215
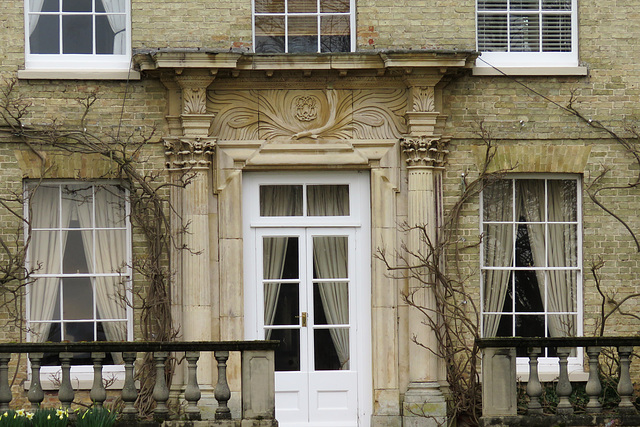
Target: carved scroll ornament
x,y
425,151
424,99
195,101
188,153
316,114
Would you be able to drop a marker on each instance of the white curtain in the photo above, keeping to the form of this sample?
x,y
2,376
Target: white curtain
x,y
330,257
498,251
46,249
34,6
118,24
107,255
275,200
562,246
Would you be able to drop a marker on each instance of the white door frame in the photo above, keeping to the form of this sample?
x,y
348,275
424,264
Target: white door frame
x,y
358,220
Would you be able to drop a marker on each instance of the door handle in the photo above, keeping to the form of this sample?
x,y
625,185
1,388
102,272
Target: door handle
x,y
303,316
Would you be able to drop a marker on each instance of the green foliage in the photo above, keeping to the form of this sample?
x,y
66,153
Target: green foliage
x,y
39,418
97,417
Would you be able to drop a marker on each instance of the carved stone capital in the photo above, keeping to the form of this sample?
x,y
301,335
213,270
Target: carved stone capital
x,y
194,91
424,98
189,153
425,151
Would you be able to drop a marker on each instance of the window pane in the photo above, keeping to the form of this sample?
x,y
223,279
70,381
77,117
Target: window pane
x,y
498,291
79,331
45,38
280,200
280,258
111,251
44,252
498,245
530,325
110,207
77,204
300,6
563,200
334,6
286,310
331,303
556,33
556,4
330,257
46,6
77,5
77,34
524,4
331,349
334,34
495,319
525,33
269,34
75,261
563,245
492,33
328,200
497,201
269,6
492,4
563,291
530,194
303,34
287,354
77,297
529,291
562,325
46,201
104,35
111,299
44,298
530,246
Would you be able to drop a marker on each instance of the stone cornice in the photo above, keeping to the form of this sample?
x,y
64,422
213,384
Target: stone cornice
x,y
413,62
189,153
425,151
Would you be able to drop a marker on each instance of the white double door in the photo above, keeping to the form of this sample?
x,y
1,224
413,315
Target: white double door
x,y
309,305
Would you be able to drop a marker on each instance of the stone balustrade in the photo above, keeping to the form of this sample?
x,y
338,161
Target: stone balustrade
x,y
500,405
257,371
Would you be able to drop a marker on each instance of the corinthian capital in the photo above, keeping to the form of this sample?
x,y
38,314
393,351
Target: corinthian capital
x,y
426,151
189,153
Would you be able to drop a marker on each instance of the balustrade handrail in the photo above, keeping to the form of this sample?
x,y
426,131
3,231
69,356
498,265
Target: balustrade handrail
x,y
136,346
524,342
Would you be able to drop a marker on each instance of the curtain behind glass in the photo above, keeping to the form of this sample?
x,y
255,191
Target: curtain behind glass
x,y
118,24
275,200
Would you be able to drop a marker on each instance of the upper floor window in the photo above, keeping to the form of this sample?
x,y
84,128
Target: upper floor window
x,y
77,34
303,26
79,247
531,258
520,33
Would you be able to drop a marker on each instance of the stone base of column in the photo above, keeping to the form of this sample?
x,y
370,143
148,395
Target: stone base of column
x,y
424,405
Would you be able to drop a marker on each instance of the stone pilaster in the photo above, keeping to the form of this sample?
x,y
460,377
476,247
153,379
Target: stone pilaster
x,y
424,403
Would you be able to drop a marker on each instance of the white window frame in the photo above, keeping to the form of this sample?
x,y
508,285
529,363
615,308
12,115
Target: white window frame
x,y
76,62
286,15
539,59
82,375
548,366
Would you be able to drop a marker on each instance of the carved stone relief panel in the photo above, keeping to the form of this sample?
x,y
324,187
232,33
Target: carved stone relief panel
x,y
287,115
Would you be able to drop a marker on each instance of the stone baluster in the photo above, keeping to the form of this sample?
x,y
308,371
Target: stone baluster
x,y
625,386
593,387
129,392
66,393
160,389
192,391
563,389
98,394
534,388
221,391
35,393
5,389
